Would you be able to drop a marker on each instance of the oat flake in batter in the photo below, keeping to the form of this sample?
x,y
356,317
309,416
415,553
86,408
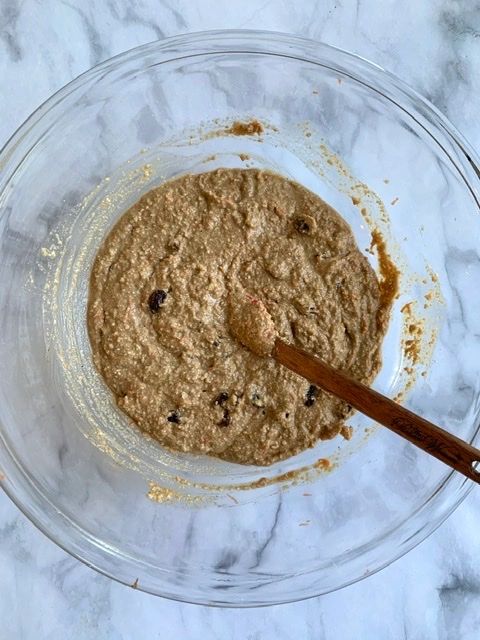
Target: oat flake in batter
x,y
206,264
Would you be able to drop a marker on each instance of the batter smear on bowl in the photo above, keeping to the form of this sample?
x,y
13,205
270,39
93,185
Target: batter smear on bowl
x,y
189,290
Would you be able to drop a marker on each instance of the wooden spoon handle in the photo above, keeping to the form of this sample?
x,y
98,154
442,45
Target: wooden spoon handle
x,y
458,454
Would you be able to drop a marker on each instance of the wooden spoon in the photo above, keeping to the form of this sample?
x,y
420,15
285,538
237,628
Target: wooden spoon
x,y
459,455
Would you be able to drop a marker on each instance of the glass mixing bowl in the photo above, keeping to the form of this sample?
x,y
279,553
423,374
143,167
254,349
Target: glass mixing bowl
x,y
194,528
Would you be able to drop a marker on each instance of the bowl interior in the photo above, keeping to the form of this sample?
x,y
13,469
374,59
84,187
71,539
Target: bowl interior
x,y
209,531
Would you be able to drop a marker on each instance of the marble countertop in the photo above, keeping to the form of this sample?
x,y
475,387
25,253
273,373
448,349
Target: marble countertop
x,y
434,591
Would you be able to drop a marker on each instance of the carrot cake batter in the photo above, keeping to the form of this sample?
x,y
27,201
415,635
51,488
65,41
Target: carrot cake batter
x,y
188,292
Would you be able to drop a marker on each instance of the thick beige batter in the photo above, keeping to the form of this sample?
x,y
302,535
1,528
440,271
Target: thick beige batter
x,y
206,264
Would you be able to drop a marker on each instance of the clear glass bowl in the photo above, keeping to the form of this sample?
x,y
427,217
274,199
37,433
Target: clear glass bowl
x,y
213,532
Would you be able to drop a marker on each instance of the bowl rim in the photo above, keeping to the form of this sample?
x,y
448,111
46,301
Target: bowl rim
x,y
17,483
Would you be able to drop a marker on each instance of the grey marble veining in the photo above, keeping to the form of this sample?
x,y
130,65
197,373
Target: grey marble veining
x,y
434,591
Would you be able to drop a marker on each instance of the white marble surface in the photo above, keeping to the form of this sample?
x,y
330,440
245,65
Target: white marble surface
x,y
433,592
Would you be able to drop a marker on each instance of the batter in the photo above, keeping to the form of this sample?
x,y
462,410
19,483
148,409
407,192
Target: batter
x,y
188,292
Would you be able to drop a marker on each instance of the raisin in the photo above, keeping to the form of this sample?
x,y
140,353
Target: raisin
x,y
174,417
225,421
221,398
156,299
311,395
301,225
